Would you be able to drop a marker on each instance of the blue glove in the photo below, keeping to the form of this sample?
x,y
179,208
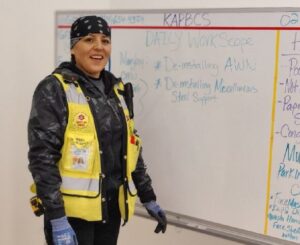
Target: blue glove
x,y
156,212
62,232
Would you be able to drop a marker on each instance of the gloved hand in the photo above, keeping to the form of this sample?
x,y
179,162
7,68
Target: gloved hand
x,y
62,232
156,212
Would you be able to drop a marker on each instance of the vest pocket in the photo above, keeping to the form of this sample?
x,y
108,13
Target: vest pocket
x,y
130,201
79,153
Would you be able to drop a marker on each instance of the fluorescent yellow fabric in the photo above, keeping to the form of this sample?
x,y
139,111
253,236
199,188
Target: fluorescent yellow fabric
x,y
80,164
81,137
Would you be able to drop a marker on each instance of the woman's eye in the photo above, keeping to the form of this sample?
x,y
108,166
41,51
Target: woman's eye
x,y
88,40
106,41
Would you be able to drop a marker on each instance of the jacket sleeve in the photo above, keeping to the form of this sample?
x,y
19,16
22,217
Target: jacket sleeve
x,y
46,127
143,181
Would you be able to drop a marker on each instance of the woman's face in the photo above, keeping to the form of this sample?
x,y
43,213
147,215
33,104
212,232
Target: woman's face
x,y
92,53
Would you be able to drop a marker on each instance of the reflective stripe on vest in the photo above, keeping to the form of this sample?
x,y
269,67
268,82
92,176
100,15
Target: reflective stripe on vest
x,y
75,97
80,184
122,100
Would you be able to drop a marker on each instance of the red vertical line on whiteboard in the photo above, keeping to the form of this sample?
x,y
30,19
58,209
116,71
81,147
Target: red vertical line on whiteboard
x,y
272,130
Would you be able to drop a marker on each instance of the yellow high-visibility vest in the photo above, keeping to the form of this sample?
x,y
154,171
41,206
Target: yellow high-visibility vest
x,y
80,164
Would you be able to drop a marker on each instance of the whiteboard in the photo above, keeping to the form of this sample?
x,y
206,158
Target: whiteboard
x,y
217,103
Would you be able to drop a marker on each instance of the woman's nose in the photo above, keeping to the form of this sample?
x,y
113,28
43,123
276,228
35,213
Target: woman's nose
x,y
98,44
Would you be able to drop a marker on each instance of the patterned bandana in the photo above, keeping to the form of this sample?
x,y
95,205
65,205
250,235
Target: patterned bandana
x,y
85,25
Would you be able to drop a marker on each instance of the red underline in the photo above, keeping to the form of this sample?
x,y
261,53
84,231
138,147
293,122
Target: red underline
x,y
271,28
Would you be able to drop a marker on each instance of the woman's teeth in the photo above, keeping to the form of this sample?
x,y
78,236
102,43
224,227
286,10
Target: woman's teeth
x,y
97,57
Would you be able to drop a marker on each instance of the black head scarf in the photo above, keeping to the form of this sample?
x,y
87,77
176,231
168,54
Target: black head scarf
x,y
85,25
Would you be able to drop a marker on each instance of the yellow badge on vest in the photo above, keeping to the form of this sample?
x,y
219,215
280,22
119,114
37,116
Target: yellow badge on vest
x,y
81,120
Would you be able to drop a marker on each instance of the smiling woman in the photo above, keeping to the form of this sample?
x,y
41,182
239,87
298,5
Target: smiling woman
x,y
90,45
92,52
85,156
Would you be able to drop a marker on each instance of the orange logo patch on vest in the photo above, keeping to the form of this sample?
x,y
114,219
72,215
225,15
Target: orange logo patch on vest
x,y
81,120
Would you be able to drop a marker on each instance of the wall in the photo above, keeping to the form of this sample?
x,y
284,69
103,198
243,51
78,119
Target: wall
x,y
27,55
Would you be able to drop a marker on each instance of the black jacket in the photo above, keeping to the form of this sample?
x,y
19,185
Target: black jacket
x,y
46,128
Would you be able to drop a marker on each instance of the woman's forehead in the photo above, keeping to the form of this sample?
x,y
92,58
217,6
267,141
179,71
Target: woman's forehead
x,y
97,35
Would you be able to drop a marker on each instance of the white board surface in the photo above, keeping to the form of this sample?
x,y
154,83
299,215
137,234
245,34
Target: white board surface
x,y
217,103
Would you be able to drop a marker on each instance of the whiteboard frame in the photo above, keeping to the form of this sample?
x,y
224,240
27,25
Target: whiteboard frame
x,y
177,219
215,229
